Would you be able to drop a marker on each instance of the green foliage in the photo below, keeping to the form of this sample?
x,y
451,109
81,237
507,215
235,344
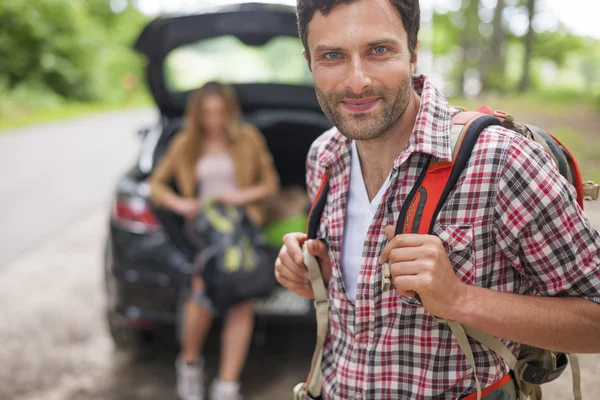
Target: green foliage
x,y
557,46
54,51
446,35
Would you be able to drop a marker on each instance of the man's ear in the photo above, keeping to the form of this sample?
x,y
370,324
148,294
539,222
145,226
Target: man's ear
x,y
307,58
415,58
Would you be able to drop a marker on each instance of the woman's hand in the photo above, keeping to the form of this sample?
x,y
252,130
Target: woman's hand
x,y
235,198
187,207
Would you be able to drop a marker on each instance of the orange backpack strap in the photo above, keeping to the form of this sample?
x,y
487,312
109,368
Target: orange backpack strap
x,y
424,202
317,207
576,179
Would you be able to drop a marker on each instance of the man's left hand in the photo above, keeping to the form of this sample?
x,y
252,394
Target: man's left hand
x,y
419,264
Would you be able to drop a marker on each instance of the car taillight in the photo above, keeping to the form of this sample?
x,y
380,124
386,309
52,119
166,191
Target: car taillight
x,y
135,214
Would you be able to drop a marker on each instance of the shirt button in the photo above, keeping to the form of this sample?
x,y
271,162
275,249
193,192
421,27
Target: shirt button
x,y
357,396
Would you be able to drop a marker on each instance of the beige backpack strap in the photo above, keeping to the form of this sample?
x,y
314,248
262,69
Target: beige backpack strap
x,y
463,342
462,331
574,361
492,343
315,379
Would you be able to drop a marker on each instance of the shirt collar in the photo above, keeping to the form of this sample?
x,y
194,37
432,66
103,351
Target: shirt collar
x,y
431,133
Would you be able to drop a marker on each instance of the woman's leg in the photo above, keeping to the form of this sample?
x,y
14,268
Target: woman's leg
x,y
197,321
235,340
196,324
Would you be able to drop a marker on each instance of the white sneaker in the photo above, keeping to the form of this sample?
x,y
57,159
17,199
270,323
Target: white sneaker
x,y
190,380
223,390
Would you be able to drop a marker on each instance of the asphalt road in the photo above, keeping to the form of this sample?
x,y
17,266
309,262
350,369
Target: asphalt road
x,y
53,174
54,200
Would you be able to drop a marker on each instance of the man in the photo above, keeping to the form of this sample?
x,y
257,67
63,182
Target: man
x,y
510,231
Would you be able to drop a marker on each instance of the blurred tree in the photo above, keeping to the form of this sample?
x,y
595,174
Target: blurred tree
x,y
529,42
75,50
557,46
494,76
446,34
470,40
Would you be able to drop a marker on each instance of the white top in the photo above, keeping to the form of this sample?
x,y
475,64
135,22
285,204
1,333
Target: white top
x,y
216,174
359,215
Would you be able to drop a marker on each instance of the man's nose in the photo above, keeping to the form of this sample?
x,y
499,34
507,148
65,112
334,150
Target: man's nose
x,y
358,77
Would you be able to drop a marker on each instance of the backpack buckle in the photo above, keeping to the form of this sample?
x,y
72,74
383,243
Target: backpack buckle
x,y
503,115
386,279
591,190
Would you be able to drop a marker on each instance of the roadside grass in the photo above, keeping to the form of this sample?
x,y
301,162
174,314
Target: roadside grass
x,y
22,118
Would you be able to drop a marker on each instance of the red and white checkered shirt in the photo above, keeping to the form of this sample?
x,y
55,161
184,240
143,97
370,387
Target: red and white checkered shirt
x,y
512,225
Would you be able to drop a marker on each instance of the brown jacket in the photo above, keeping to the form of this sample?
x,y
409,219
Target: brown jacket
x,y
253,166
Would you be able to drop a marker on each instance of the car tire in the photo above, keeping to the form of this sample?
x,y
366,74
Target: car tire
x,y
139,343
136,342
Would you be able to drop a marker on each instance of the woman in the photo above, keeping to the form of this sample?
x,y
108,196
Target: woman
x,y
215,156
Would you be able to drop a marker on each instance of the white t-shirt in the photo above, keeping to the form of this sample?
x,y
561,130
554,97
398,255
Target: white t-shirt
x,y
359,215
216,175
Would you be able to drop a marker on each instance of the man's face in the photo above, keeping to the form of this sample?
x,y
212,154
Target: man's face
x,y
361,66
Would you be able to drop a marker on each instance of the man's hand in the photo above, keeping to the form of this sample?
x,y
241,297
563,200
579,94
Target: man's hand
x,y
419,264
290,270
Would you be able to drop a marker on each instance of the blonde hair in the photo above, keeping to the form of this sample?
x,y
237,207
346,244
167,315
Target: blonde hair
x,y
193,132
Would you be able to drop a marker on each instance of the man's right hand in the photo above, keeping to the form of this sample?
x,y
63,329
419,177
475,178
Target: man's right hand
x,y
290,270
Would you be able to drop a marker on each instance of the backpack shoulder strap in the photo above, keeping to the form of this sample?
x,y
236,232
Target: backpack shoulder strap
x,y
311,388
317,207
437,180
426,199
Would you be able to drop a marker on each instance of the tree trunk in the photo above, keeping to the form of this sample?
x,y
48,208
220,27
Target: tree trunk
x,y
469,39
496,63
526,80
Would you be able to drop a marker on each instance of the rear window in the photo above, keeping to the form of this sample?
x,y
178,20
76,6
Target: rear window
x,y
229,60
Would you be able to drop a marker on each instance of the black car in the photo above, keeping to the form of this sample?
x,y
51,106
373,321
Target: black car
x,y
255,48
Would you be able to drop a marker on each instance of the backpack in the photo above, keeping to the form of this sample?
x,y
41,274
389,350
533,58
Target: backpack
x,y
533,366
232,256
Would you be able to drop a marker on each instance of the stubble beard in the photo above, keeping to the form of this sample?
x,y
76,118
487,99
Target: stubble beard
x,y
371,124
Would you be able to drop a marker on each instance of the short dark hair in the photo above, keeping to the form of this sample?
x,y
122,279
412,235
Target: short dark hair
x,y
409,11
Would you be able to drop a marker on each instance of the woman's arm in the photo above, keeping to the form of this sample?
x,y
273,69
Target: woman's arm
x,y
267,184
161,193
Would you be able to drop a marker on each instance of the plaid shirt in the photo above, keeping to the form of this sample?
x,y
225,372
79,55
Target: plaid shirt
x,y
512,225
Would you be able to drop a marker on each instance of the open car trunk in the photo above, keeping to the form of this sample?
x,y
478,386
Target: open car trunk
x,y
289,135
288,115
253,24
